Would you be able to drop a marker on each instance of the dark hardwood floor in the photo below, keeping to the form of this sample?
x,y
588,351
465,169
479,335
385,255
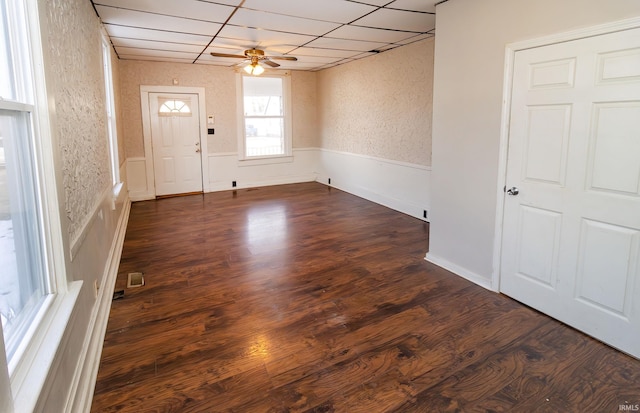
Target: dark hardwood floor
x,y
303,298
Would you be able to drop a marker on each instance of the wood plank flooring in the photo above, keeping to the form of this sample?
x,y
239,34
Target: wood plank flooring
x,y
302,298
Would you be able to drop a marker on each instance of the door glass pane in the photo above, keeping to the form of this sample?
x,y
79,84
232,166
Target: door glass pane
x,y
22,275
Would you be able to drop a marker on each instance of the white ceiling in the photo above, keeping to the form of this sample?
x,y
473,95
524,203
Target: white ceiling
x,y
320,33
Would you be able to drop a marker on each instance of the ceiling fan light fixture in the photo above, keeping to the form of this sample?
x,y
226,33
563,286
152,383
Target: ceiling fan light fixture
x,y
254,69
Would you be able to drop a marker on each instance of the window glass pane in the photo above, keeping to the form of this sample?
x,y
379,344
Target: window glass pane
x,y
111,120
262,96
264,116
22,275
7,89
264,136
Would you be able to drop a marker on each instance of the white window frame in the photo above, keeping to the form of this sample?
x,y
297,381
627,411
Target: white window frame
x,y
28,369
286,95
112,127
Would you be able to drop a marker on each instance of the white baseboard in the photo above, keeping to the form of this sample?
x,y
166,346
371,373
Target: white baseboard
x,y
84,380
483,282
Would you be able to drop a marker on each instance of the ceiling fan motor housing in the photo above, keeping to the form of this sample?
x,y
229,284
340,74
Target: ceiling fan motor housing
x,y
254,53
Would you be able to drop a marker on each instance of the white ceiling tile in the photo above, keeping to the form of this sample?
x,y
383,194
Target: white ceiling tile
x,y
280,23
177,31
155,21
262,38
157,35
310,51
357,45
239,50
379,3
416,5
340,11
227,2
212,63
363,55
416,38
368,34
220,60
230,47
119,42
398,20
317,59
155,59
293,66
191,9
227,50
132,51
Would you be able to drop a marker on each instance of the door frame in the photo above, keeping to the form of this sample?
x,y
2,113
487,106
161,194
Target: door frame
x,y
146,131
510,51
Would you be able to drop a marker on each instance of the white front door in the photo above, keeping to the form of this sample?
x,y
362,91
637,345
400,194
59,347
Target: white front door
x,y
175,138
571,237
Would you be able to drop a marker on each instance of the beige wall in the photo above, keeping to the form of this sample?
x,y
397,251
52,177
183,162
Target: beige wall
x,y
380,106
304,110
220,89
468,87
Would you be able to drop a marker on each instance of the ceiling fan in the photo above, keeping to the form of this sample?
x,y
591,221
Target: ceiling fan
x,y
255,56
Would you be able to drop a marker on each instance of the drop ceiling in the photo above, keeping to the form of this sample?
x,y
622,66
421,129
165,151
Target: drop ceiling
x,y
320,33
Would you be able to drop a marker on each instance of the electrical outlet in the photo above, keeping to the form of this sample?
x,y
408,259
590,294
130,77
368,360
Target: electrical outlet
x,y
329,181
233,184
424,214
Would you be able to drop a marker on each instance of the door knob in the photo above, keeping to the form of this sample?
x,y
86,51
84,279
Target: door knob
x,y
513,191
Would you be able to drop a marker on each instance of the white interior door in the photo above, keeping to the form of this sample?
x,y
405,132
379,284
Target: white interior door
x,y
175,138
571,237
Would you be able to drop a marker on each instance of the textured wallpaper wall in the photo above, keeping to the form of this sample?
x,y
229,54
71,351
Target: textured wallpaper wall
x,y
304,110
220,89
380,106
74,50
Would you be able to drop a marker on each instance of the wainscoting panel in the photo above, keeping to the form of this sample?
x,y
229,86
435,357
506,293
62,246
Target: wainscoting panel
x,y
139,182
398,185
225,168
401,186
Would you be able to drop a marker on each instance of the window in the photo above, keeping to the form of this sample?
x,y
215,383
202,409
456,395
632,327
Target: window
x,y
172,107
24,282
111,115
36,300
265,129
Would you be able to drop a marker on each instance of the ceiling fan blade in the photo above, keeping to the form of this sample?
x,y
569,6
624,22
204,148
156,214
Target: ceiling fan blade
x,y
237,56
293,59
270,63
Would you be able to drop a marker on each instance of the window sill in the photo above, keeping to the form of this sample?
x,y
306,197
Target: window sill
x,y
265,160
33,368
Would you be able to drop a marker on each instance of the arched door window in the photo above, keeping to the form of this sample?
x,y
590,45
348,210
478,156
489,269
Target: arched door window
x,y
174,107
